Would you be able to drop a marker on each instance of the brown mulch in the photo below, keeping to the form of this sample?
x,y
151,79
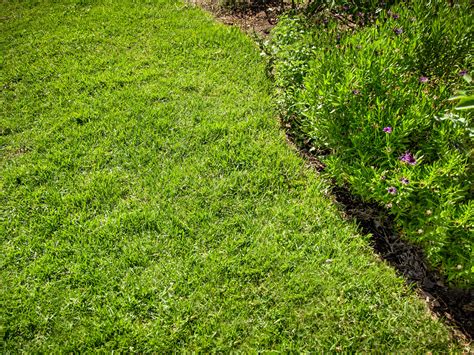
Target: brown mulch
x,y
254,20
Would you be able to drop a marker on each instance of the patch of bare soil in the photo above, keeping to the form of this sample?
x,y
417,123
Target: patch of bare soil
x,y
257,19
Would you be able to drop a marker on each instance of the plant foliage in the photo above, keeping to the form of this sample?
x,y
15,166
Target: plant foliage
x,y
373,89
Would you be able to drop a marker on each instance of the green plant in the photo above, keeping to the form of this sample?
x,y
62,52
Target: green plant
x,y
465,97
373,96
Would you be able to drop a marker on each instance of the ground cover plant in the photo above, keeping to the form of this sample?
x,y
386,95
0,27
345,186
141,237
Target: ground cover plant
x,y
149,201
372,90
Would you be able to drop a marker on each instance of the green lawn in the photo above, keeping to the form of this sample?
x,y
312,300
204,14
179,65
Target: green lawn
x,y
149,201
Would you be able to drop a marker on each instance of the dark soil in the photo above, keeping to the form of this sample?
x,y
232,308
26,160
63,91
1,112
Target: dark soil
x,y
453,304
255,19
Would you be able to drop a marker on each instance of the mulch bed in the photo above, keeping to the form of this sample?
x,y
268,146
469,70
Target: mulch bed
x,y
256,19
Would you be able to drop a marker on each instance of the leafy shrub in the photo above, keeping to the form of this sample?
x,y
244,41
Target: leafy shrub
x,y
377,98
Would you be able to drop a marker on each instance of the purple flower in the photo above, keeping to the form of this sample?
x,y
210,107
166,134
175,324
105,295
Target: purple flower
x,y
423,79
404,181
345,7
408,158
395,16
383,177
463,72
398,31
356,92
387,129
360,14
392,190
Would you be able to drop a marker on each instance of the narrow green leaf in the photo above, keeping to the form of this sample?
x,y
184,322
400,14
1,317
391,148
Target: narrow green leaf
x,y
466,104
467,77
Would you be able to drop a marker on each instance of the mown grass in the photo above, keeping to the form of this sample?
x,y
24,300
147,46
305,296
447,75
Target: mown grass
x,y
150,203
